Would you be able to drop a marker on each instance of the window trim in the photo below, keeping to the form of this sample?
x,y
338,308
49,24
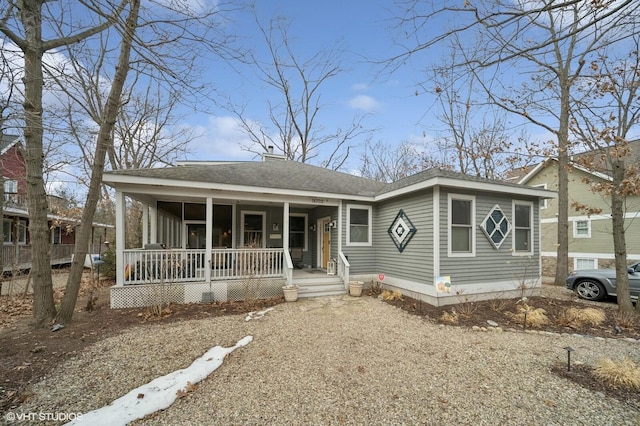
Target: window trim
x,y
369,210
22,231
306,229
57,229
463,197
594,260
515,228
264,226
575,228
489,217
543,201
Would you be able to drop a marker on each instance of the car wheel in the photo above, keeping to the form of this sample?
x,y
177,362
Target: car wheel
x,y
590,290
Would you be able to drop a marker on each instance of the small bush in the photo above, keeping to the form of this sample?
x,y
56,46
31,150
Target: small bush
x,y
622,374
391,295
449,317
574,317
536,317
627,319
375,289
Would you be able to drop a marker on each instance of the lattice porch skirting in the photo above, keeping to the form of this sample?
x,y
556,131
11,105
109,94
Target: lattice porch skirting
x,y
136,296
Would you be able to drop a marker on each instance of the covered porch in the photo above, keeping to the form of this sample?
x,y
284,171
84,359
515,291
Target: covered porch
x,y
209,247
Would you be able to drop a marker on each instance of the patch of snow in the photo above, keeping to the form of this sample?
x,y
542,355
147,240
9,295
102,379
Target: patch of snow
x,y
159,393
257,315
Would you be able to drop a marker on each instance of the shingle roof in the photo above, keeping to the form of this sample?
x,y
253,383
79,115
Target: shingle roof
x,y
7,140
295,176
266,174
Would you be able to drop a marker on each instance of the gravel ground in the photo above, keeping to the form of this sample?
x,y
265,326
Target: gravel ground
x,y
347,361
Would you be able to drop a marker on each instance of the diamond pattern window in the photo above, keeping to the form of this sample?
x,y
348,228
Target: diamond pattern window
x,y
496,226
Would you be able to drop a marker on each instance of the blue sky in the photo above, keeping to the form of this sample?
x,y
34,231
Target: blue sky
x,y
362,28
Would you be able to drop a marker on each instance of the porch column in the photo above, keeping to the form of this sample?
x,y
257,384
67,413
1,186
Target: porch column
x,y
209,237
120,240
145,224
153,222
285,226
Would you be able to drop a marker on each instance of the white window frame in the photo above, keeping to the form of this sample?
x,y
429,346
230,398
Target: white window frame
x,y
576,259
461,197
22,231
10,186
575,228
264,225
543,201
515,228
369,210
306,228
58,230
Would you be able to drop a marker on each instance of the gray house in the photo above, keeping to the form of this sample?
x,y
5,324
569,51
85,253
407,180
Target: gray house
x,y
211,230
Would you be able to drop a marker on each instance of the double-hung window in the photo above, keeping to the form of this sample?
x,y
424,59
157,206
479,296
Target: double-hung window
x,y
462,236
298,231
522,227
582,229
359,225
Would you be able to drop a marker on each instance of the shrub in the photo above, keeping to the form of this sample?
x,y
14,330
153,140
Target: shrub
x,y
536,317
574,317
622,374
449,317
391,295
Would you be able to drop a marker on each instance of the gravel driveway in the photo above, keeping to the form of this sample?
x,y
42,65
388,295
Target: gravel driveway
x,y
345,361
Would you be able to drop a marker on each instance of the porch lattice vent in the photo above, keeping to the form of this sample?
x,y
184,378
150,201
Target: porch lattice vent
x,y
136,296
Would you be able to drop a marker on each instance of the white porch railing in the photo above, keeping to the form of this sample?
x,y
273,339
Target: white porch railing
x,y
343,269
177,265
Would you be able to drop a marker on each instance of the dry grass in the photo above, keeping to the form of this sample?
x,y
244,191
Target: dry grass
x,y
388,295
575,317
627,319
449,317
536,317
622,374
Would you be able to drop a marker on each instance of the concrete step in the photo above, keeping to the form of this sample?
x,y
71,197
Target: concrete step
x,y
319,290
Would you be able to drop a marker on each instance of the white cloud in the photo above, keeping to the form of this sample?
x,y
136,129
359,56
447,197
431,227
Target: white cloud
x,y
360,87
364,103
222,139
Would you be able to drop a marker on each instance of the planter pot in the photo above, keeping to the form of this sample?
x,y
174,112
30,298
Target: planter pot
x,y
355,288
290,293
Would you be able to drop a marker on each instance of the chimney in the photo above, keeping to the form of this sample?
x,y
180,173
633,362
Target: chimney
x,y
269,155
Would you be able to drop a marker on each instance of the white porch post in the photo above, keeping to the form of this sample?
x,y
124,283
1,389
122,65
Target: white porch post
x,y
285,226
145,224
209,236
153,210
120,233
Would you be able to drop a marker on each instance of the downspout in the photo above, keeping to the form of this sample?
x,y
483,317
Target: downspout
x,y
436,234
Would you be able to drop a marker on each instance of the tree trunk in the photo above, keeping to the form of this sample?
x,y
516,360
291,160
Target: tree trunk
x,y
619,241
103,143
43,305
562,256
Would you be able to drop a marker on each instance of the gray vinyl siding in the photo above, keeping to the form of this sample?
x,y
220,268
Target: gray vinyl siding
x,y
415,263
489,264
361,258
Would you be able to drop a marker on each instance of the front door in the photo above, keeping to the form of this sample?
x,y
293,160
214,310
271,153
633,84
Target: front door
x,y
325,239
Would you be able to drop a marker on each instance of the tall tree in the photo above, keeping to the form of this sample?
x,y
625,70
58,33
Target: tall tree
x,y
607,110
22,22
295,128
527,56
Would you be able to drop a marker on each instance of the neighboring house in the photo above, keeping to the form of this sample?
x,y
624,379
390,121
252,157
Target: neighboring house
x,y
16,253
590,236
439,236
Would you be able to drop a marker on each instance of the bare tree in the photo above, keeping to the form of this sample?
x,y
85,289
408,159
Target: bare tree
x,y
546,43
21,21
607,110
386,163
295,129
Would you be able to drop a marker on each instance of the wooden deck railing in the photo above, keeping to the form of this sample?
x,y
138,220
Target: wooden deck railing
x,y
19,257
177,265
